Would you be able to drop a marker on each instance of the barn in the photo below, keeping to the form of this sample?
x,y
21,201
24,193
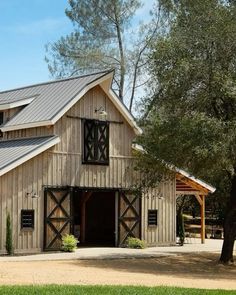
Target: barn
x,y
67,166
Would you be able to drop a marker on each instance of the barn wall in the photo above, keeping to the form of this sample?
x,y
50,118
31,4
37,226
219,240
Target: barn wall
x,y
163,199
31,132
62,166
14,187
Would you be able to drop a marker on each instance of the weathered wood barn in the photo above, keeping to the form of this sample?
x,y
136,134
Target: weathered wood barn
x,y
66,166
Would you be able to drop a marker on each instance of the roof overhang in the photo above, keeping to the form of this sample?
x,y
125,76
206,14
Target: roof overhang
x,y
193,182
189,184
15,104
36,150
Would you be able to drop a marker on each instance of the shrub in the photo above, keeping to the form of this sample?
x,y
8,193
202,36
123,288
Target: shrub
x,y
9,242
69,243
135,243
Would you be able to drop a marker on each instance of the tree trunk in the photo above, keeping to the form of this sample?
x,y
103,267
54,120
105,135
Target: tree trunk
x,y
122,56
229,228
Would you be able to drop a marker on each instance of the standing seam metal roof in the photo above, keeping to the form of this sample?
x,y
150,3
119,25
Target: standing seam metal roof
x,y
50,98
13,150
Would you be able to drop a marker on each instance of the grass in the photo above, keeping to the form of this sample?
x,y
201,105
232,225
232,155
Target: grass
x,y
107,290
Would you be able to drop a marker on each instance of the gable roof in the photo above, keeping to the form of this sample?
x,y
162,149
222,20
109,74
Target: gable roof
x,y
181,175
51,100
17,151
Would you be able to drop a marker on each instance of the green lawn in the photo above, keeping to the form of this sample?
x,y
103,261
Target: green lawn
x,y
94,290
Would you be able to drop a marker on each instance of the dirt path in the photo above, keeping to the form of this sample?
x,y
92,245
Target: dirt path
x,y
185,270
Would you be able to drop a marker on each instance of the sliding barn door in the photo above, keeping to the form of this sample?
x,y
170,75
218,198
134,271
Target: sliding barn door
x,y
129,216
58,216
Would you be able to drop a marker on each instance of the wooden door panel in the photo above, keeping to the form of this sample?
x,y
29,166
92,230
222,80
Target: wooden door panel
x,y
129,216
57,215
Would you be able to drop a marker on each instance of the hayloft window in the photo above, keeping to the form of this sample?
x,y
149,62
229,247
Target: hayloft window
x,y
152,217
27,219
96,142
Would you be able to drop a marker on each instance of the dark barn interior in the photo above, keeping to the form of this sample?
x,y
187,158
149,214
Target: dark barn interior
x,y
94,217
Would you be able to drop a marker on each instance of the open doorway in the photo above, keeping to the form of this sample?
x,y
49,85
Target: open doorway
x,y
94,217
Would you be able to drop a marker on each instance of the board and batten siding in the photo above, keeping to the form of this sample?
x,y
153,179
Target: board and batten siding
x,y
62,166
162,199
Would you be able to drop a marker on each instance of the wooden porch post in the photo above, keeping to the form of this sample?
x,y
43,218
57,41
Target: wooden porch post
x,y
203,231
201,201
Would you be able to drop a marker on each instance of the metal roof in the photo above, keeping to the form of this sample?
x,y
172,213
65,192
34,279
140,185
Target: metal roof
x,y
183,175
17,151
49,98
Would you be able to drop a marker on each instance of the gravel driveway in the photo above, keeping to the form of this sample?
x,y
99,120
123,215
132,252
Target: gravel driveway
x,y
189,266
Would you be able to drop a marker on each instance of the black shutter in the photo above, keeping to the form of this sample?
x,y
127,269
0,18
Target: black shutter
x,y
103,142
89,141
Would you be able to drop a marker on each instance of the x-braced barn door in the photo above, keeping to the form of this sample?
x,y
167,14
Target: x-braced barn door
x,y
129,216
58,217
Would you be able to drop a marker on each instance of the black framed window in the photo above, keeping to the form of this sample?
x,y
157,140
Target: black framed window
x,y
96,142
152,217
27,219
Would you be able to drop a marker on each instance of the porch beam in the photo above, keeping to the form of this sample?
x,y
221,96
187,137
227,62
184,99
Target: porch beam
x,y
199,199
203,225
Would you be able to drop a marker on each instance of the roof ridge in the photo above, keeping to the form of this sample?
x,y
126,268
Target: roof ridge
x,y
56,81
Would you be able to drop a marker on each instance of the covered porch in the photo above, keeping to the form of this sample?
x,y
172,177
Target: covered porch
x,y
189,185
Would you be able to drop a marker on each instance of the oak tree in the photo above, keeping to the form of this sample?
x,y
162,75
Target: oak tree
x,y
190,120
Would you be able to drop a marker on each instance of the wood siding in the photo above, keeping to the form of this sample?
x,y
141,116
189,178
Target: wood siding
x,y
62,166
164,200
31,132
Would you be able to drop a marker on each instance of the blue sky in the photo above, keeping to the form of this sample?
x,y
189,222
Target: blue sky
x,y
26,26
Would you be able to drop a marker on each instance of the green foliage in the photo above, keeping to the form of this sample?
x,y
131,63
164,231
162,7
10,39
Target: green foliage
x,y
192,114
9,240
69,243
190,119
106,290
135,243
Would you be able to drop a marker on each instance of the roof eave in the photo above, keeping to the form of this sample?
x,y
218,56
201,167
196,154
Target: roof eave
x,y
205,185
30,155
15,104
210,188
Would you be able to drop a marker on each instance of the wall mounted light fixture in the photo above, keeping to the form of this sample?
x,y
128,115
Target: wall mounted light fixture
x,y
102,114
